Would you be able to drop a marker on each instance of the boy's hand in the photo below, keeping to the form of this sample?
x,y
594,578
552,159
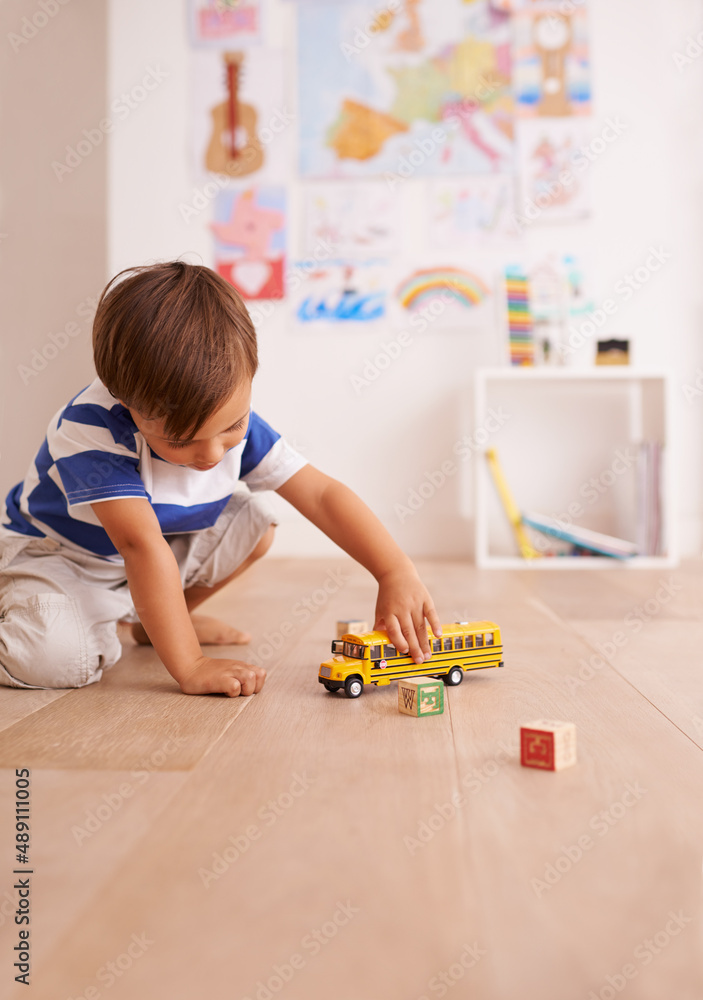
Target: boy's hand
x,y
218,676
401,609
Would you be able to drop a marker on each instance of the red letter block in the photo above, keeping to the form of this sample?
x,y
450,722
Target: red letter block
x,y
548,745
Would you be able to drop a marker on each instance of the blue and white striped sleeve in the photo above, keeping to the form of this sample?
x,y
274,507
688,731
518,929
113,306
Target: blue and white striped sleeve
x,y
95,454
268,461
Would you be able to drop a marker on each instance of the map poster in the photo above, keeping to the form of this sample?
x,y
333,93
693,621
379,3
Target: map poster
x,y
414,89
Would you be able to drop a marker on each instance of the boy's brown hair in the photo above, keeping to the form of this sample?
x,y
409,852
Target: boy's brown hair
x,y
173,341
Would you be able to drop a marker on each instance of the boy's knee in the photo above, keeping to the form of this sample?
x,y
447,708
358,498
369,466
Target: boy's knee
x,y
43,643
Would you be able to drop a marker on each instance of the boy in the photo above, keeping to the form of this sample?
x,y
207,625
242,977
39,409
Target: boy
x,y
132,509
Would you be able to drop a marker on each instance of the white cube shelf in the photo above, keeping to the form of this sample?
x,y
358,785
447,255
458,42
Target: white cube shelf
x,y
567,441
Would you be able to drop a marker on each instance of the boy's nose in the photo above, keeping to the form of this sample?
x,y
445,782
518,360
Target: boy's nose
x,y
210,454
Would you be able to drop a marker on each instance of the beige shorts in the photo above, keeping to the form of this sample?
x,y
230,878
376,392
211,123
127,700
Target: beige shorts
x,y
59,607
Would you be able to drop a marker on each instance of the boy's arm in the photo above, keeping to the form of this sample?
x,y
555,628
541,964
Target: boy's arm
x,y
403,602
155,585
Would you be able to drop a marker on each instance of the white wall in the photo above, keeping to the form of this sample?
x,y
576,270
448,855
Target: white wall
x,y
646,192
52,228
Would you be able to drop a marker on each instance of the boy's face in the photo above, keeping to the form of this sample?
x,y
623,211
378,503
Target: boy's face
x,y
225,429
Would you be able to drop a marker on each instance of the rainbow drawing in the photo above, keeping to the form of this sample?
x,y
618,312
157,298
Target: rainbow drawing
x,y
517,290
427,284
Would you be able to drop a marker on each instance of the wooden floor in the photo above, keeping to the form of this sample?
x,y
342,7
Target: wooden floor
x,y
302,845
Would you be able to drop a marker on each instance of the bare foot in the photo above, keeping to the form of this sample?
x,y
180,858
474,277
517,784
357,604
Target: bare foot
x,y
210,632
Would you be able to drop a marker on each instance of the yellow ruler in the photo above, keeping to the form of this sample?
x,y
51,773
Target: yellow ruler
x,y
510,507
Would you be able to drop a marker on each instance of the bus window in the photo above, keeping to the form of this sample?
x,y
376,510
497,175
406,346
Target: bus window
x,y
354,649
375,652
489,638
479,640
458,643
469,642
447,645
436,645
390,651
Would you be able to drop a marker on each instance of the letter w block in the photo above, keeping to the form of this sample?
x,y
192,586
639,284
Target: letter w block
x,y
421,696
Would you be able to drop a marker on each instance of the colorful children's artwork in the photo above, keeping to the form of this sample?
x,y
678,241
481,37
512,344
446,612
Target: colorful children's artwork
x,y
358,220
221,22
241,119
249,232
554,159
443,297
415,89
461,211
544,298
339,293
551,73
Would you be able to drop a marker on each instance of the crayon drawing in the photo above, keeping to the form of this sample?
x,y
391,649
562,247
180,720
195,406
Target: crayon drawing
x,y
338,293
249,233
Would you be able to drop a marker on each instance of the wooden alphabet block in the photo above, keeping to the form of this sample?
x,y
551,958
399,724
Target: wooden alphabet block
x,y
421,696
354,625
548,745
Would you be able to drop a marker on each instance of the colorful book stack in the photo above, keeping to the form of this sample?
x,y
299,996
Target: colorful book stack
x,y
520,327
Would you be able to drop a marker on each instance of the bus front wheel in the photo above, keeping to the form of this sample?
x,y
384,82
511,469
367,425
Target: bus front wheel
x,y
454,677
353,686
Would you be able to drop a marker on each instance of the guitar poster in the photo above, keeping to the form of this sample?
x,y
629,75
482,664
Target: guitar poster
x,y
242,122
249,230
221,22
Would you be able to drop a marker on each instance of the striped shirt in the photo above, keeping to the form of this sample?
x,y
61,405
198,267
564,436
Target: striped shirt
x,y
93,451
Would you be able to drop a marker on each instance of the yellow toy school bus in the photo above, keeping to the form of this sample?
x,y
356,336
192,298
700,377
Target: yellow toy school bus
x,y
369,658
